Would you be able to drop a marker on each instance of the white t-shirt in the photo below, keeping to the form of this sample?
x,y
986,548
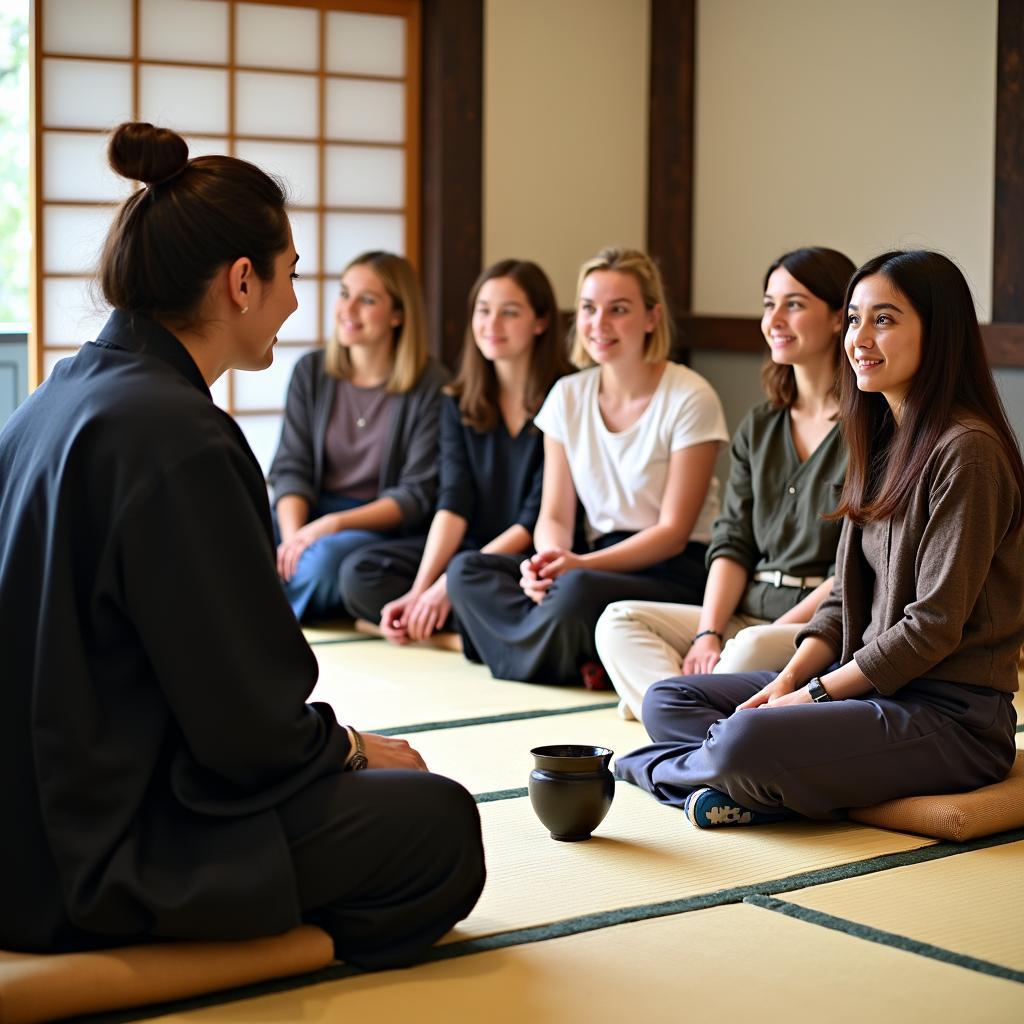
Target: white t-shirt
x,y
620,476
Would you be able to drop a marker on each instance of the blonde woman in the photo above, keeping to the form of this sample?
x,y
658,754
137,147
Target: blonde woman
x,y
633,439
357,459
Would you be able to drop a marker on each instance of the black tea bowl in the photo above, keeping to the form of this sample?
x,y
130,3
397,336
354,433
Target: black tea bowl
x,y
571,789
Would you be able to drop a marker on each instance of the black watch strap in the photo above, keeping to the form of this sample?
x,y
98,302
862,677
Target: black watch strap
x,y
817,691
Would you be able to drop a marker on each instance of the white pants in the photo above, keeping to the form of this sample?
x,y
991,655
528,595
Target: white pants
x,y
642,642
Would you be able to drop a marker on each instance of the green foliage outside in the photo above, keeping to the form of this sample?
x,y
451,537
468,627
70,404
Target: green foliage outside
x,y
15,239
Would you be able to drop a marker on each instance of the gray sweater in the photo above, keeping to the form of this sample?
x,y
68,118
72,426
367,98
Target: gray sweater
x,y
408,471
951,603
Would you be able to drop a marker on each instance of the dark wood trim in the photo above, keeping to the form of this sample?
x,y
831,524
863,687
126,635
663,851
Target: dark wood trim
x,y
670,147
452,208
1004,342
1008,253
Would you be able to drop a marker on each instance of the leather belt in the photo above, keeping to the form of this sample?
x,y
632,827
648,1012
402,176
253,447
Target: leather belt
x,y
777,578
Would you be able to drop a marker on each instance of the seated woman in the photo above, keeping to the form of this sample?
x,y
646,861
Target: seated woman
x,y
164,775
771,552
633,438
357,459
902,683
492,457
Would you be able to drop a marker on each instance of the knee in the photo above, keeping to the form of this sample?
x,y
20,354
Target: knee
x,y
462,567
452,819
754,649
612,623
742,744
664,703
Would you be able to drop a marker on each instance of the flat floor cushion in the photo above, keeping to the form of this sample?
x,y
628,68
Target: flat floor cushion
x,y
40,987
958,816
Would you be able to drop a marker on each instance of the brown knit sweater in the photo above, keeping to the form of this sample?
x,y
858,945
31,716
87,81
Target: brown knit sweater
x,y
952,601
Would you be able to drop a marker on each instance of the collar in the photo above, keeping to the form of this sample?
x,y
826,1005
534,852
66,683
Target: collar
x,y
134,332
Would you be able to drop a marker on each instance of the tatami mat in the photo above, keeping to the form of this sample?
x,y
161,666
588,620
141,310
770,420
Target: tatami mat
x,y
645,853
736,963
375,685
486,758
333,632
972,904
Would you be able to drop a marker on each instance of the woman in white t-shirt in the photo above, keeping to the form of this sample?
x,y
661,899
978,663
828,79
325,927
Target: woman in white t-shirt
x,y
632,439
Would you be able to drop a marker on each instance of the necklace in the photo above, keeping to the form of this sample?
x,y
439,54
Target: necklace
x,y
363,412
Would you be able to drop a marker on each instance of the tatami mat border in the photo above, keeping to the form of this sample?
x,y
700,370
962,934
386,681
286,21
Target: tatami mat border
x,y
608,919
500,794
509,716
358,639
884,938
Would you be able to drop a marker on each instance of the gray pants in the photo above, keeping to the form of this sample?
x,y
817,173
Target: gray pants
x,y
819,759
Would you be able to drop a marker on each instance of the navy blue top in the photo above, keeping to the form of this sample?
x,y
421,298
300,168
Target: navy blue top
x,y
493,480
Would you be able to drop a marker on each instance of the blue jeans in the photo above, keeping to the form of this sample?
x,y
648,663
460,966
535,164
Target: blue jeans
x,y
315,589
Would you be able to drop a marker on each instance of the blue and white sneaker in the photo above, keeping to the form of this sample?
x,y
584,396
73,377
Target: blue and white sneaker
x,y
707,808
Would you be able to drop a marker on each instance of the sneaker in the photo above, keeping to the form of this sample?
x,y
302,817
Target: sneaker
x,y
707,808
625,711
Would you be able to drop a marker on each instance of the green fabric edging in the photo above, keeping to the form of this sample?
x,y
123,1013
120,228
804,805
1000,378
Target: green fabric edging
x,y
884,938
500,794
511,716
358,639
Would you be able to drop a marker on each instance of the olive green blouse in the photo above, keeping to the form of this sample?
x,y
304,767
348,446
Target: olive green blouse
x,y
772,509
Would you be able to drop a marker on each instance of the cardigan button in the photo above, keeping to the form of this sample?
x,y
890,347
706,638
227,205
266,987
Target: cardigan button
x,y
792,490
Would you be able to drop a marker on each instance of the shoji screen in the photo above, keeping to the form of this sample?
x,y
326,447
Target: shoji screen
x,y
322,93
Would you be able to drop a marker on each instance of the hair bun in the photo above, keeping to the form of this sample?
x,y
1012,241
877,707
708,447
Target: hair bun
x,y
143,153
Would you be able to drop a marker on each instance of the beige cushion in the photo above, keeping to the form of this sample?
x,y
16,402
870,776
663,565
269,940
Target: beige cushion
x,y
38,987
957,817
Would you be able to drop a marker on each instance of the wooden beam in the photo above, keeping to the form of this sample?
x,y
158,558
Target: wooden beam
x,y
452,208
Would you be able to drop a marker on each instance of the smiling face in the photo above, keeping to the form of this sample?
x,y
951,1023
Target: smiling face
x,y
364,313
798,326
883,339
504,323
612,319
271,303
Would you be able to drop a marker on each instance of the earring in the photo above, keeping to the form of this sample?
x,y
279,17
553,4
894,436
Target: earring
x,y
245,310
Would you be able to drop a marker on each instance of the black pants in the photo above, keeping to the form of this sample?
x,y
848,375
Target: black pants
x,y
385,861
819,759
548,642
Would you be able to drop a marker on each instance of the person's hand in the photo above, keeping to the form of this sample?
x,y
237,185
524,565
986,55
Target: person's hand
x,y
393,617
780,692
530,580
703,655
290,551
389,752
429,610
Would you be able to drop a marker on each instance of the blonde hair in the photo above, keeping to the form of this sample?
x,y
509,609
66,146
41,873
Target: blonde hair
x,y
658,342
409,337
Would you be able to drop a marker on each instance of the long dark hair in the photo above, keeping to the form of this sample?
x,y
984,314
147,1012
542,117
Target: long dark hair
x,y
887,460
476,385
170,238
824,273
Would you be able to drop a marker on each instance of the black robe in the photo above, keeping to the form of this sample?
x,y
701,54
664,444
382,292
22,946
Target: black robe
x,y
153,680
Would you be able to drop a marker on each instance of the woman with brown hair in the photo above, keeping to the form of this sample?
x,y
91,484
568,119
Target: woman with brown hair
x,y
771,555
492,456
164,775
902,683
357,459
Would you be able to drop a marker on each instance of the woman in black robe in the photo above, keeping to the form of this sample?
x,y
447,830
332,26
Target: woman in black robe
x,y
164,776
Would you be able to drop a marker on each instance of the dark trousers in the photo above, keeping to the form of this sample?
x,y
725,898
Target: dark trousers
x,y
819,759
379,573
548,642
385,861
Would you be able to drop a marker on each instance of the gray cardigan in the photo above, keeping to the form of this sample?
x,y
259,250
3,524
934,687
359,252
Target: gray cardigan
x,y
408,470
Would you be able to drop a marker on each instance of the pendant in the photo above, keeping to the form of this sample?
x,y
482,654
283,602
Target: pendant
x,y
361,422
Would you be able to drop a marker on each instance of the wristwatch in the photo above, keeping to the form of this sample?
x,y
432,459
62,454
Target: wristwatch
x,y
817,691
357,761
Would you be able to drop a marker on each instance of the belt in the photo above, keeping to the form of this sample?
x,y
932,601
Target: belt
x,y
777,578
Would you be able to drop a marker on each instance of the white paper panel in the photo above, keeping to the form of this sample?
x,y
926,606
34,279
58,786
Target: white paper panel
x,y
277,37
219,391
306,236
86,93
206,146
75,167
266,389
189,30
302,325
295,162
269,104
349,234
99,27
185,99
370,111
365,176
52,357
262,433
73,237
366,44
73,310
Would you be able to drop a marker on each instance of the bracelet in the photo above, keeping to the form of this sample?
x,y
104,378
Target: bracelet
x,y
709,632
